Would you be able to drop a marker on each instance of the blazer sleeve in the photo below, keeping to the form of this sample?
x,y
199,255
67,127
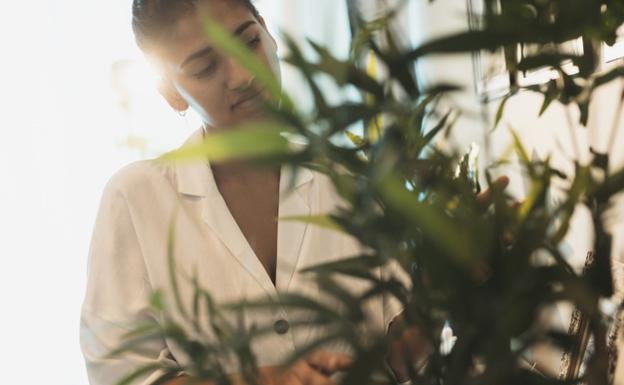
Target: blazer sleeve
x,y
117,297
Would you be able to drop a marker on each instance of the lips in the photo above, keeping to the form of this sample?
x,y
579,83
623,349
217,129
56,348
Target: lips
x,y
243,100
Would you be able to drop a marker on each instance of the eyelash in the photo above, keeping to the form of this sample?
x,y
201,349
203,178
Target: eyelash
x,y
252,44
206,71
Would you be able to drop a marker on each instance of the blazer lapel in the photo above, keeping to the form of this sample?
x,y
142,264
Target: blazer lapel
x,y
294,201
196,179
217,215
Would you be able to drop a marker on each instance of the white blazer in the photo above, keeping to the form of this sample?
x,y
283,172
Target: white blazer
x,y
128,260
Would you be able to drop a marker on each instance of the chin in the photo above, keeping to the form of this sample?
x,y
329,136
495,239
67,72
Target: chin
x,y
250,115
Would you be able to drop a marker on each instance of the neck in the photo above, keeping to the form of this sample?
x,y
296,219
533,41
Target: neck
x,y
242,169
235,167
260,118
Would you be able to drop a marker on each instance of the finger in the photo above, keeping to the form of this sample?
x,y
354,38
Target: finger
x,y
410,348
485,198
400,359
396,326
414,344
294,374
273,375
310,376
508,235
328,361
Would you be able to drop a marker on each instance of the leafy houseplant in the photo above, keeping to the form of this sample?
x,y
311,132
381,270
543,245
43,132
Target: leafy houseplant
x,y
471,268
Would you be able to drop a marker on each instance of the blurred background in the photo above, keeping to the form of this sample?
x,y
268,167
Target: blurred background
x,y
78,101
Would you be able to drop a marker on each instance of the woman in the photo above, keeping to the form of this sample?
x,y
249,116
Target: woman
x,y
225,227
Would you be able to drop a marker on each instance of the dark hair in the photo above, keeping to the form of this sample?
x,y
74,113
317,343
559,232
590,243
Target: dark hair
x,y
152,19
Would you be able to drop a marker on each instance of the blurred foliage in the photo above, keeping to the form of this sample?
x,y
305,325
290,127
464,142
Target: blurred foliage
x,y
472,267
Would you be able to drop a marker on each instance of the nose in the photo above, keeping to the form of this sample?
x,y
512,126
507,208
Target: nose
x,y
239,79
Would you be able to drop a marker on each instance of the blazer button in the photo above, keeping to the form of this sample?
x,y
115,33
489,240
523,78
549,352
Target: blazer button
x,y
281,326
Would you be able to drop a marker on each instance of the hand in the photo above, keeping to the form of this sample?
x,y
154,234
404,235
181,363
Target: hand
x,y
314,369
486,198
328,362
408,347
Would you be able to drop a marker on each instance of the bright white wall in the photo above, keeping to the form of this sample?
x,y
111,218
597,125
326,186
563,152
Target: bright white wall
x,y
61,135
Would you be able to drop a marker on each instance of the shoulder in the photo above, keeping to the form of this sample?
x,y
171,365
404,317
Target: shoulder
x,y
149,174
140,178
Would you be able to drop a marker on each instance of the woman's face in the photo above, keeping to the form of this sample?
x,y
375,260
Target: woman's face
x,y
213,84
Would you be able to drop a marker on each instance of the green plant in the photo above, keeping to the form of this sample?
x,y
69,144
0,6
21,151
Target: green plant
x,y
406,203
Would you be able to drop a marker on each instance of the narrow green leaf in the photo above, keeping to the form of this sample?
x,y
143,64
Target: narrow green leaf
x,y
607,77
297,58
324,221
501,109
248,141
357,140
225,41
141,330
359,261
345,72
433,222
614,184
156,301
432,133
519,147
462,42
289,300
547,59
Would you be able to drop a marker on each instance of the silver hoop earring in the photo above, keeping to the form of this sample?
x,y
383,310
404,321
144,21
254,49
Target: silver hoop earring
x,y
182,113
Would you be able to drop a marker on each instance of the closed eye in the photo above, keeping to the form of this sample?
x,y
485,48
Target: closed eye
x,y
206,71
253,43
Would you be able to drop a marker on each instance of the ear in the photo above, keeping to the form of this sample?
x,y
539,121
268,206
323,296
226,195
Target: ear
x,y
168,90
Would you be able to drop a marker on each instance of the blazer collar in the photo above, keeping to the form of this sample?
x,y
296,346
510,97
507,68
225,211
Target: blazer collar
x,y
195,177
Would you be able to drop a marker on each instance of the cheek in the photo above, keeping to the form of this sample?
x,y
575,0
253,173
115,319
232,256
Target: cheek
x,y
206,98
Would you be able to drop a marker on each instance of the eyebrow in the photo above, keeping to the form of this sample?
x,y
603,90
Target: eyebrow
x,y
205,51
